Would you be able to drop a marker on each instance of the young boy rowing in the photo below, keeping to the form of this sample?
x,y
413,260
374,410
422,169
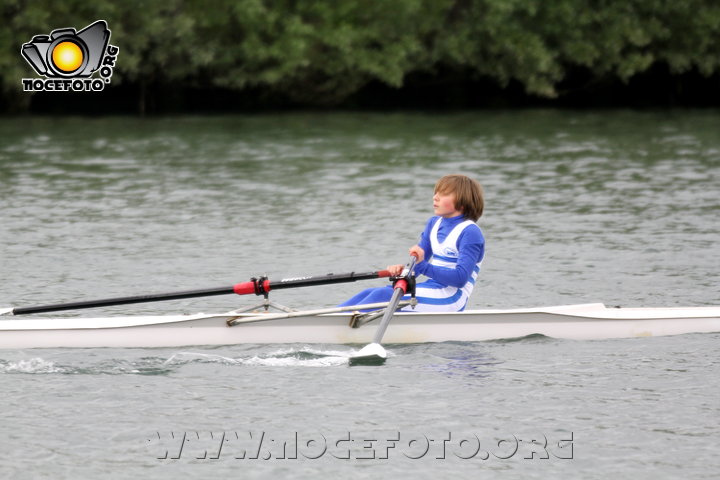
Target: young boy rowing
x,y
450,251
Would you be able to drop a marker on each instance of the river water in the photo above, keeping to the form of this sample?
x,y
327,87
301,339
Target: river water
x,y
618,207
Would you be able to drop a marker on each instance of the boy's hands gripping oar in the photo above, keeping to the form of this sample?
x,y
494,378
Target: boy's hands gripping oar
x,y
374,353
257,286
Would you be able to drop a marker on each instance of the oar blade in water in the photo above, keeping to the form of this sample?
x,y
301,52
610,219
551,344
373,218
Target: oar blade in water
x,y
370,354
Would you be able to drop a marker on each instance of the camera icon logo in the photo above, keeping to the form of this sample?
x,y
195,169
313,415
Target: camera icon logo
x,y
67,53
68,58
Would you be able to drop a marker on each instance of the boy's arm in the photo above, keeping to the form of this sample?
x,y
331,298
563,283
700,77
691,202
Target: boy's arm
x,y
472,249
425,244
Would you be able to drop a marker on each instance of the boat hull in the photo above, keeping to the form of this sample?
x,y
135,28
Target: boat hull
x,y
581,322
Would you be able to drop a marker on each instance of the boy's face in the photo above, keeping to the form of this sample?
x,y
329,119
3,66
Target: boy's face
x,y
444,205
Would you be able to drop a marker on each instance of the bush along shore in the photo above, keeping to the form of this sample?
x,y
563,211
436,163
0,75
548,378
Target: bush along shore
x,y
252,54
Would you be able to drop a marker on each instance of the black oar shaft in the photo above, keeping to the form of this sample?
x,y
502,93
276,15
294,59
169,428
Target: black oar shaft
x,y
109,302
326,279
256,286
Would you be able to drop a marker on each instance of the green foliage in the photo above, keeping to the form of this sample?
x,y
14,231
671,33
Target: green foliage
x,y
535,42
322,51
317,51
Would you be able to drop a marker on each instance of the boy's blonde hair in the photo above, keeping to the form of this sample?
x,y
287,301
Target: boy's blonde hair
x,y
468,194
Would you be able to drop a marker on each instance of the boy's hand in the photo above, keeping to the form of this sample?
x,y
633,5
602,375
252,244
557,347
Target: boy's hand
x,y
395,270
417,251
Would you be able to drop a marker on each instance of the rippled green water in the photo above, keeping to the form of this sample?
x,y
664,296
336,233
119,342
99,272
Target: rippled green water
x,y
616,207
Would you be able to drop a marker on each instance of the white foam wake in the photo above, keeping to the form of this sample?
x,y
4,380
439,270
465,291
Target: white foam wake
x,y
33,365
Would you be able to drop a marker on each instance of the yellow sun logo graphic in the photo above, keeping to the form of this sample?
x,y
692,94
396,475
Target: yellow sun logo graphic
x,y
67,56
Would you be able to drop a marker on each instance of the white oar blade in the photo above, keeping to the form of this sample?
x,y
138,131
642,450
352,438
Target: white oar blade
x,y
370,354
5,311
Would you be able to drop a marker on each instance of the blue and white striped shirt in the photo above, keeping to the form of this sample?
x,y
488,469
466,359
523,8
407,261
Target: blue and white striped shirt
x,y
454,249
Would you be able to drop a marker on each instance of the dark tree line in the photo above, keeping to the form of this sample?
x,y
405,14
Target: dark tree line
x,y
331,52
